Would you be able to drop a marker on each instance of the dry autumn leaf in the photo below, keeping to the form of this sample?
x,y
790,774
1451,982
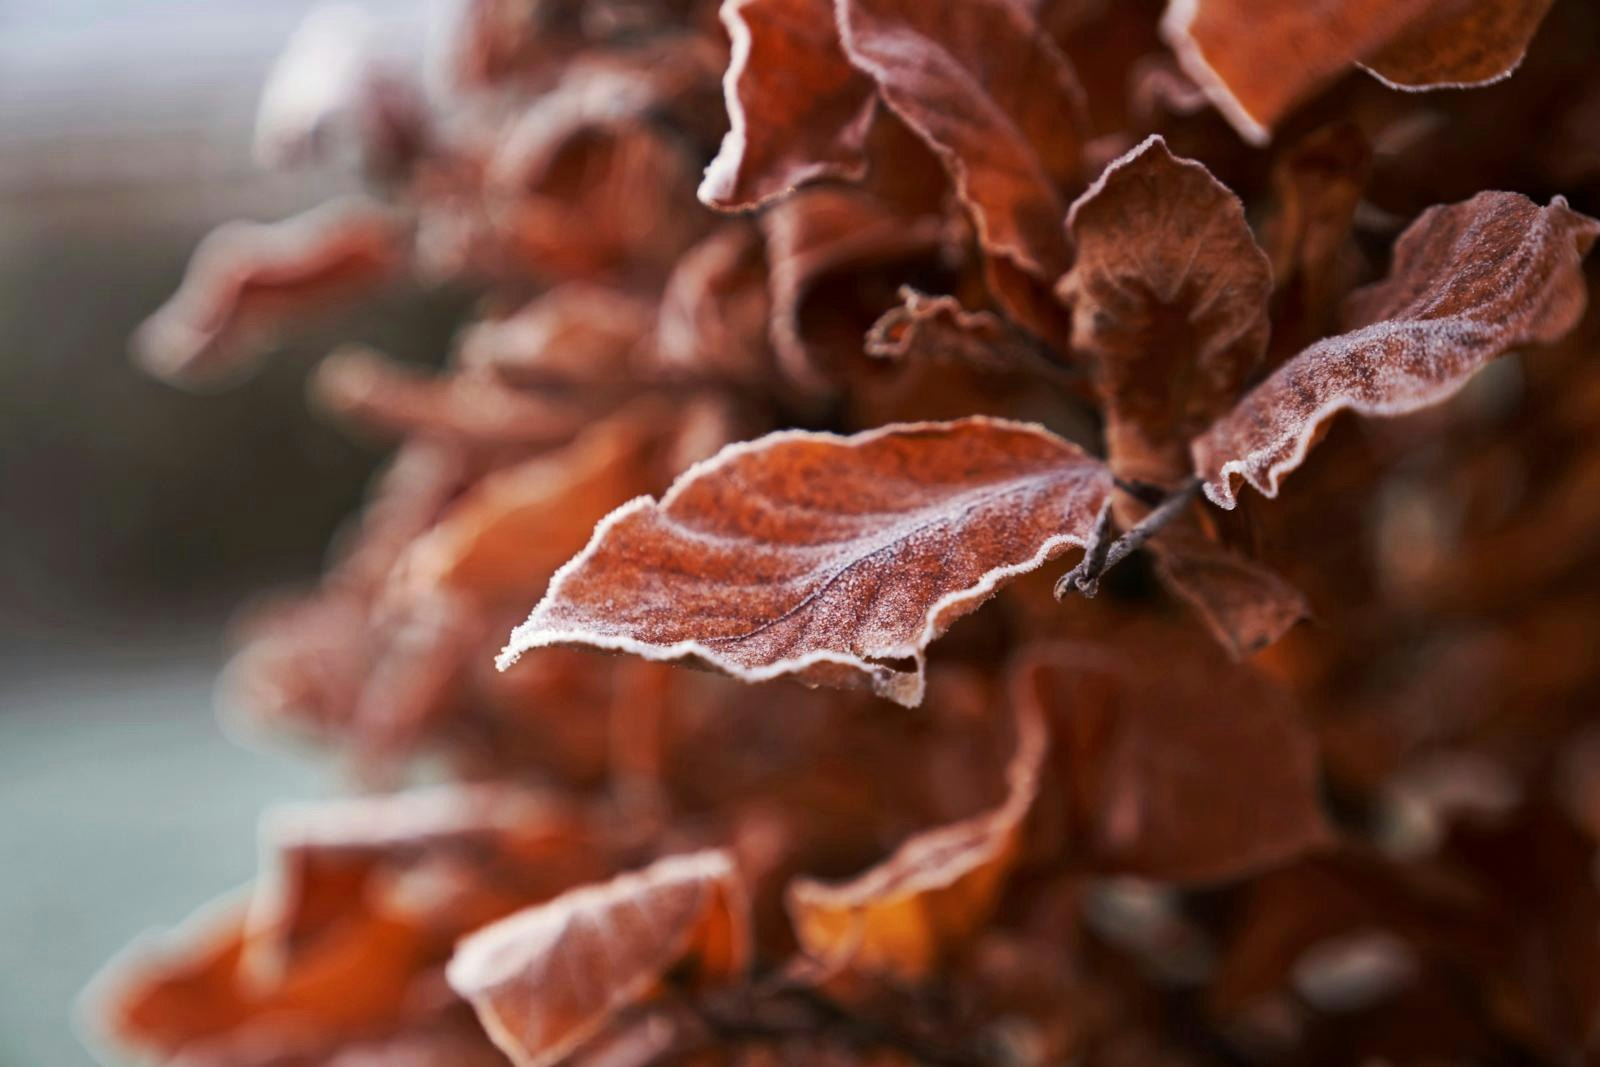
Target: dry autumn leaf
x,y
546,980
833,560
1469,282
1293,50
797,111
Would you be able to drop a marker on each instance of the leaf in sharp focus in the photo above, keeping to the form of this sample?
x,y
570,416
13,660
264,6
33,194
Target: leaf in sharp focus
x,y
989,92
246,279
830,559
1150,775
1169,298
797,110
1470,281
1258,59
546,980
904,916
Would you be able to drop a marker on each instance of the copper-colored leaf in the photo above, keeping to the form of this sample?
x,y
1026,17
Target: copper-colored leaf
x,y
1456,45
834,560
1257,59
990,93
904,916
797,110
1245,605
1169,298
1469,282
546,980
938,328
376,393
246,279
1153,775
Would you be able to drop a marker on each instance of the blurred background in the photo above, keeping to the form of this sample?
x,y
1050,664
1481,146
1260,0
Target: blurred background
x,y
135,518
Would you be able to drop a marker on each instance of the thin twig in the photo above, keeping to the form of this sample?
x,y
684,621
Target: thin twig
x,y
1085,577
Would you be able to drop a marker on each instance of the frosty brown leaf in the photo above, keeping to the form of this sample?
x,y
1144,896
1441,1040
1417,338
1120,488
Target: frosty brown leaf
x,y
247,279
1257,59
991,94
546,980
902,917
936,328
836,560
1456,45
1469,282
1149,775
797,110
1169,299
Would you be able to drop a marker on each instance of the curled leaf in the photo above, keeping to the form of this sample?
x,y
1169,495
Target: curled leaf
x,y
1469,282
1257,59
832,559
904,916
548,979
797,110
1169,298
938,328
247,278
990,93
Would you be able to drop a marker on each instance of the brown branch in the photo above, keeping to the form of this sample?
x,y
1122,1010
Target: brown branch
x,y
1085,577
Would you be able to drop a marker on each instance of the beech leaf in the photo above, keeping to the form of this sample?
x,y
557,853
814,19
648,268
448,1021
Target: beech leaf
x,y
1169,299
797,110
1152,775
832,559
1470,281
1257,59
246,279
903,916
990,93
546,980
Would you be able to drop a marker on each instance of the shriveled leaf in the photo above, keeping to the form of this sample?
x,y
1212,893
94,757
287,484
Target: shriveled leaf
x,y
1169,299
831,559
903,917
1258,59
797,110
935,328
548,979
820,233
990,93
1470,281
247,279
1152,774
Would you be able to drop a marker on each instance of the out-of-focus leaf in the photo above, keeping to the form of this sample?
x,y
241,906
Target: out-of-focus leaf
x,y
1149,774
246,280
797,110
905,916
1258,59
546,980
1469,282
994,98
833,560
